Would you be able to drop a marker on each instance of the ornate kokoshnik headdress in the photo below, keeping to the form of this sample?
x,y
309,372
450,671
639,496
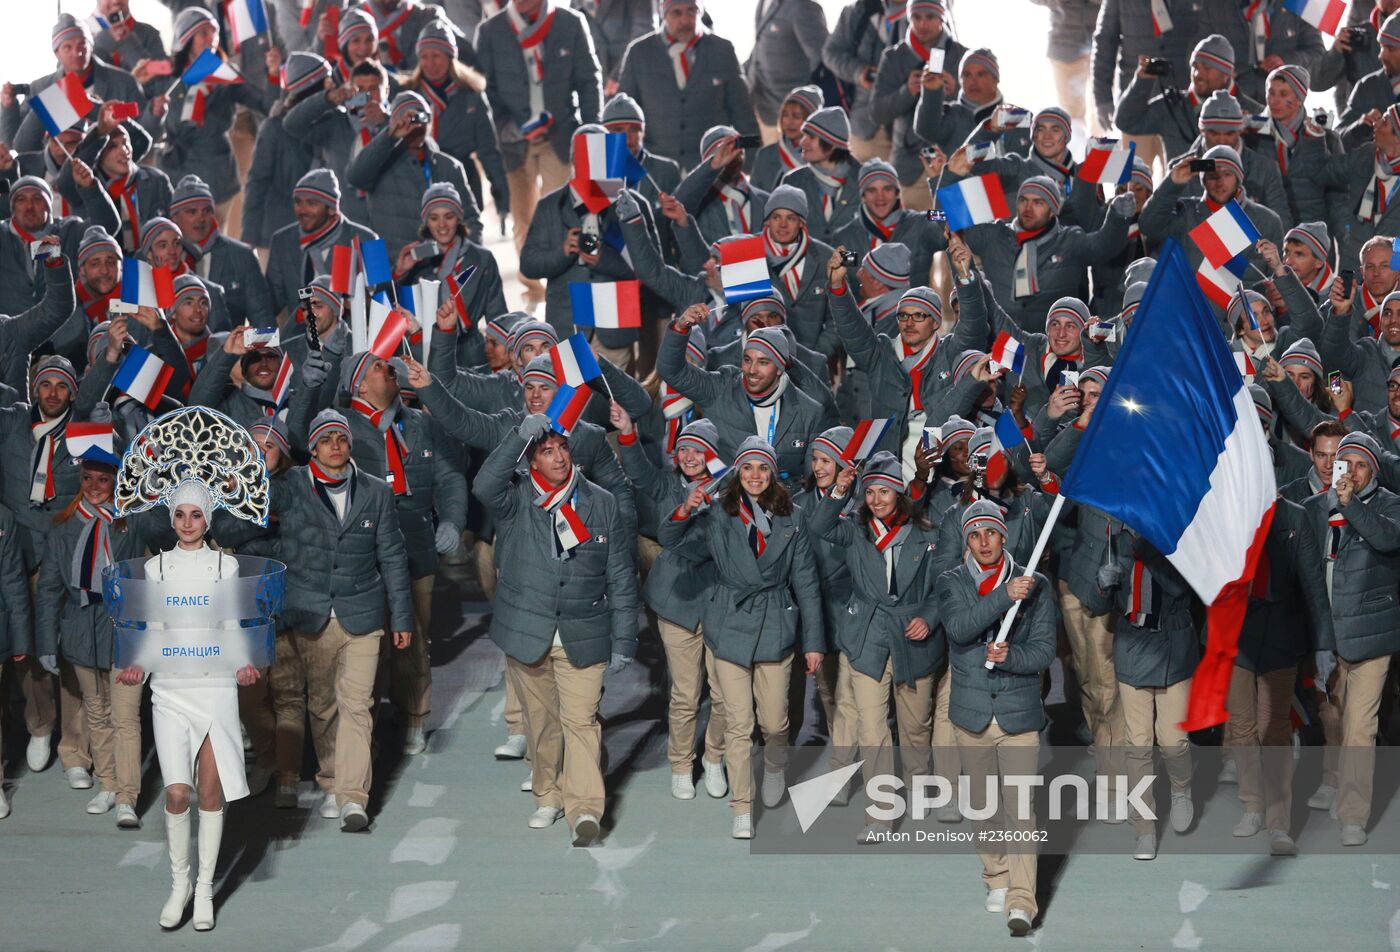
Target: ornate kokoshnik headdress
x,y
200,444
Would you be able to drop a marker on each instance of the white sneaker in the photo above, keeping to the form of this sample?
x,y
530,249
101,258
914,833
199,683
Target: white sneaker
x,y
1019,922
1281,844
1146,847
715,783
1228,773
743,827
544,817
414,742
78,778
682,786
528,784
127,818
774,784
1250,823
38,752
1353,835
1183,812
512,749
353,817
104,801
996,900
330,810
1323,798
4,804
586,830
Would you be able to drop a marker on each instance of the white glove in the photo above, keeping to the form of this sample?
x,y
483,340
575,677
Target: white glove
x,y
447,538
49,663
627,207
1110,574
533,427
1326,662
618,663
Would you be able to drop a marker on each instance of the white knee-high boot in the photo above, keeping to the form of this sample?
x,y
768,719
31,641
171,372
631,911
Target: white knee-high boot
x,y
177,837
211,831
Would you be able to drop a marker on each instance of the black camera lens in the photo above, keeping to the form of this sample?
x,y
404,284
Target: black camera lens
x,y
848,259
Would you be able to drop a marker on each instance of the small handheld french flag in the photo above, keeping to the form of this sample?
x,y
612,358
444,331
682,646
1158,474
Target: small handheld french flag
x,y
342,269
90,441
608,305
1326,15
865,438
566,408
1106,164
1218,284
1005,435
391,332
574,363
973,202
147,286
246,19
374,257
743,269
1225,234
143,376
209,67
604,156
62,105
1008,352
282,384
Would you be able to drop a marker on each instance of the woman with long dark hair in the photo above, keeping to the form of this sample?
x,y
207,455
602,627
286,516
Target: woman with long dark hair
x,y
887,635
766,588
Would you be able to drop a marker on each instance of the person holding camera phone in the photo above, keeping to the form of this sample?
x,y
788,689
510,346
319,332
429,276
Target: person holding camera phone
x,y
1354,53
881,218
399,165
717,193
1356,525
1302,149
127,42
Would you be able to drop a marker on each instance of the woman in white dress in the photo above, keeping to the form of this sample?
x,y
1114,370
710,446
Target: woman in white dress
x,y
195,720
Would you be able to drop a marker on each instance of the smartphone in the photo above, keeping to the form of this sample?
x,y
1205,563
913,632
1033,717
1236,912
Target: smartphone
x,y
1069,378
121,307
38,249
257,337
750,142
160,67
1157,67
1202,165
994,368
933,437
848,259
1340,468
1348,277
357,101
1334,381
425,249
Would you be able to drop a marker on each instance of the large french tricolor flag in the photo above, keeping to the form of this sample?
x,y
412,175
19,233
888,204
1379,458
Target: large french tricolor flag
x,y
973,202
1177,416
143,376
743,269
1326,15
574,363
61,105
246,19
147,286
1225,234
1106,164
209,67
608,305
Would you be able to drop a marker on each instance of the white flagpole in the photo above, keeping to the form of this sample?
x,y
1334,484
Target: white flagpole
x,y
1040,544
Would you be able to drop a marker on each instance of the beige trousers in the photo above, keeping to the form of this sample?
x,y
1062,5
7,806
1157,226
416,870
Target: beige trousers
x,y
410,672
765,687
843,717
1150,717
690,665
992,752
913,708
340,675
878,146
917,197
1072,91
541,174
1259,738
561,724
947,758
1359,686
287,682
1091,648
1149,149
113,715
623,358
768,133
